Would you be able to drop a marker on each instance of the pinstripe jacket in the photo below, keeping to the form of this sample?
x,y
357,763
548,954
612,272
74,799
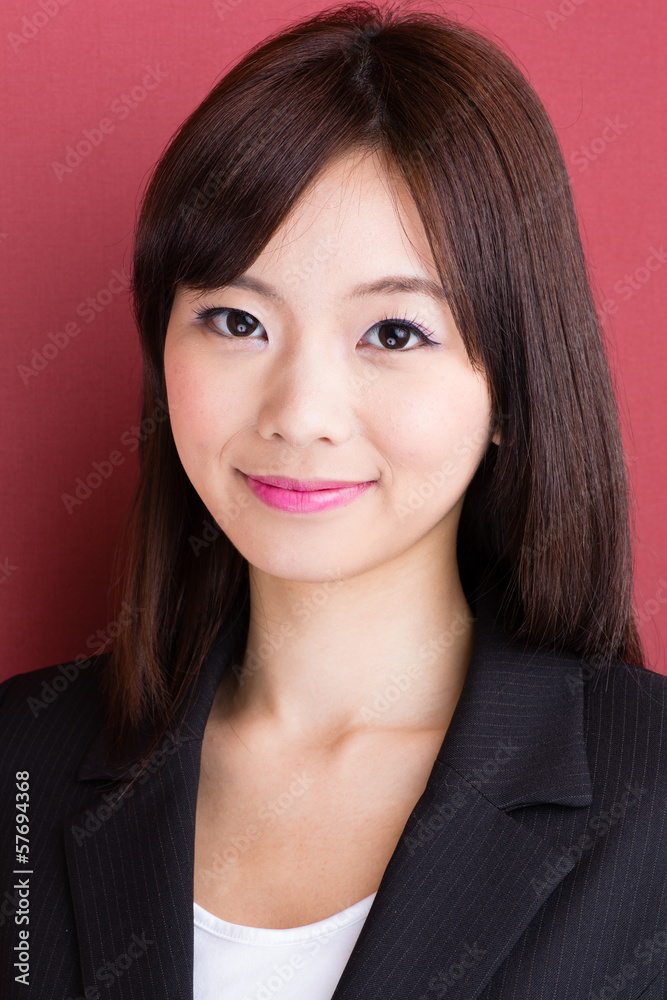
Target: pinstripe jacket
x,y
533,865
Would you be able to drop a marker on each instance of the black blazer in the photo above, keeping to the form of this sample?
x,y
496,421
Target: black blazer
x,y
534,864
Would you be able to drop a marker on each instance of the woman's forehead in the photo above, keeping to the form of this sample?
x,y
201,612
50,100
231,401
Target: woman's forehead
x,y
357,208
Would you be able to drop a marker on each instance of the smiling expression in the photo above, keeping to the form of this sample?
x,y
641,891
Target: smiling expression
x,y
323,404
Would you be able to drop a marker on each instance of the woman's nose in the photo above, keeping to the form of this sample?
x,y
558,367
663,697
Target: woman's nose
x,y
307,396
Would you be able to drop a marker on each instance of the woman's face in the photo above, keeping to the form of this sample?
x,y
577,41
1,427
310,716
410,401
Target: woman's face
x,y
296,372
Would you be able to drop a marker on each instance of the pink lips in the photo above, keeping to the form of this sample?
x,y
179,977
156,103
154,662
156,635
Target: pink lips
x,y
301,496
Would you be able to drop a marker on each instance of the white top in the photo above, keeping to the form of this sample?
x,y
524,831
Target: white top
x,y
235,962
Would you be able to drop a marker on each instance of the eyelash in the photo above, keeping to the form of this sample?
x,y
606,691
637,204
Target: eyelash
x,y
426,336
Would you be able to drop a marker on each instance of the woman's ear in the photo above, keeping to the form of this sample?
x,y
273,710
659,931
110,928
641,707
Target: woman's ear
x,y
496,435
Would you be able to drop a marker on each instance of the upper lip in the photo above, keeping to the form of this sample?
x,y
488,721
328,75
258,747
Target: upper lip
x,y
306,485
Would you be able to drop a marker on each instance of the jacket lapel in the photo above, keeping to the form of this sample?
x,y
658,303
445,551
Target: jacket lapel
x,y
131,861
465,879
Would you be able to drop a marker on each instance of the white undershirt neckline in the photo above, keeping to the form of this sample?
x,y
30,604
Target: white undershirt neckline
x,y
281,935
251,963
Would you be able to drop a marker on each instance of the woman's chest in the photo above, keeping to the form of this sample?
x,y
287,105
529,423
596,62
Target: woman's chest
x,y
285,841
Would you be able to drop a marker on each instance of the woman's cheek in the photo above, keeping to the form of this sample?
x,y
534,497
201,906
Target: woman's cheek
x,y
194,407
435,447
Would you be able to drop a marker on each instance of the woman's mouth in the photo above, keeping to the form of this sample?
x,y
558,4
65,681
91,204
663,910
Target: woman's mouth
x,y
303,496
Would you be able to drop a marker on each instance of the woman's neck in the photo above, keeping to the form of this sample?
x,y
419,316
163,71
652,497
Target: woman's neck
x,y
384,651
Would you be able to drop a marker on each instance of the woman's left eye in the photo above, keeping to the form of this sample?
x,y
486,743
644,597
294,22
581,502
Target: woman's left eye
x,y
394,334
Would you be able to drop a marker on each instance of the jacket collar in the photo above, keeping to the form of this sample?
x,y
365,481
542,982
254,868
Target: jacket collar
x,y
516,739
526,700
190,720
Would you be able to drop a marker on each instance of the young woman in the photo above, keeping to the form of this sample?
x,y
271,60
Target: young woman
x,y
379,722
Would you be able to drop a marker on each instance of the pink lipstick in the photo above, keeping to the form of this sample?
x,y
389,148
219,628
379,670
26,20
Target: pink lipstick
x,y
302,496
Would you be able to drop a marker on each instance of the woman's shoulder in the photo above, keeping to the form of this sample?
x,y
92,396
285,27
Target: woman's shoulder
x,y
628,695
50,714
625,726
45,685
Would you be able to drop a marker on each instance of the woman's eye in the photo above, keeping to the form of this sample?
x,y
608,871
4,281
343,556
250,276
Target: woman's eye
x,y
395,335
233,323
388,334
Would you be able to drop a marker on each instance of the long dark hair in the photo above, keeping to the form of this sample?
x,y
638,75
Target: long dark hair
x,y
548,508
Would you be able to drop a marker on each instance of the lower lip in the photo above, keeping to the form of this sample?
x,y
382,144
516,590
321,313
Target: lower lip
x,y
297,502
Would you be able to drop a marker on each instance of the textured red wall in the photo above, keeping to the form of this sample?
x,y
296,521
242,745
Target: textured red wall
x,y
119,77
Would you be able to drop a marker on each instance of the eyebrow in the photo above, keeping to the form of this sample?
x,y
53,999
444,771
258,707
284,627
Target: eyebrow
x,y
389,283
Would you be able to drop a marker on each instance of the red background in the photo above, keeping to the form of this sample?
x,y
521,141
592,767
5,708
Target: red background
x,y
66,234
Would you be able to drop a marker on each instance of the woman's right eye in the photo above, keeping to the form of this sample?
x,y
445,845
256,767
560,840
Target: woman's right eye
x,y
232,323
